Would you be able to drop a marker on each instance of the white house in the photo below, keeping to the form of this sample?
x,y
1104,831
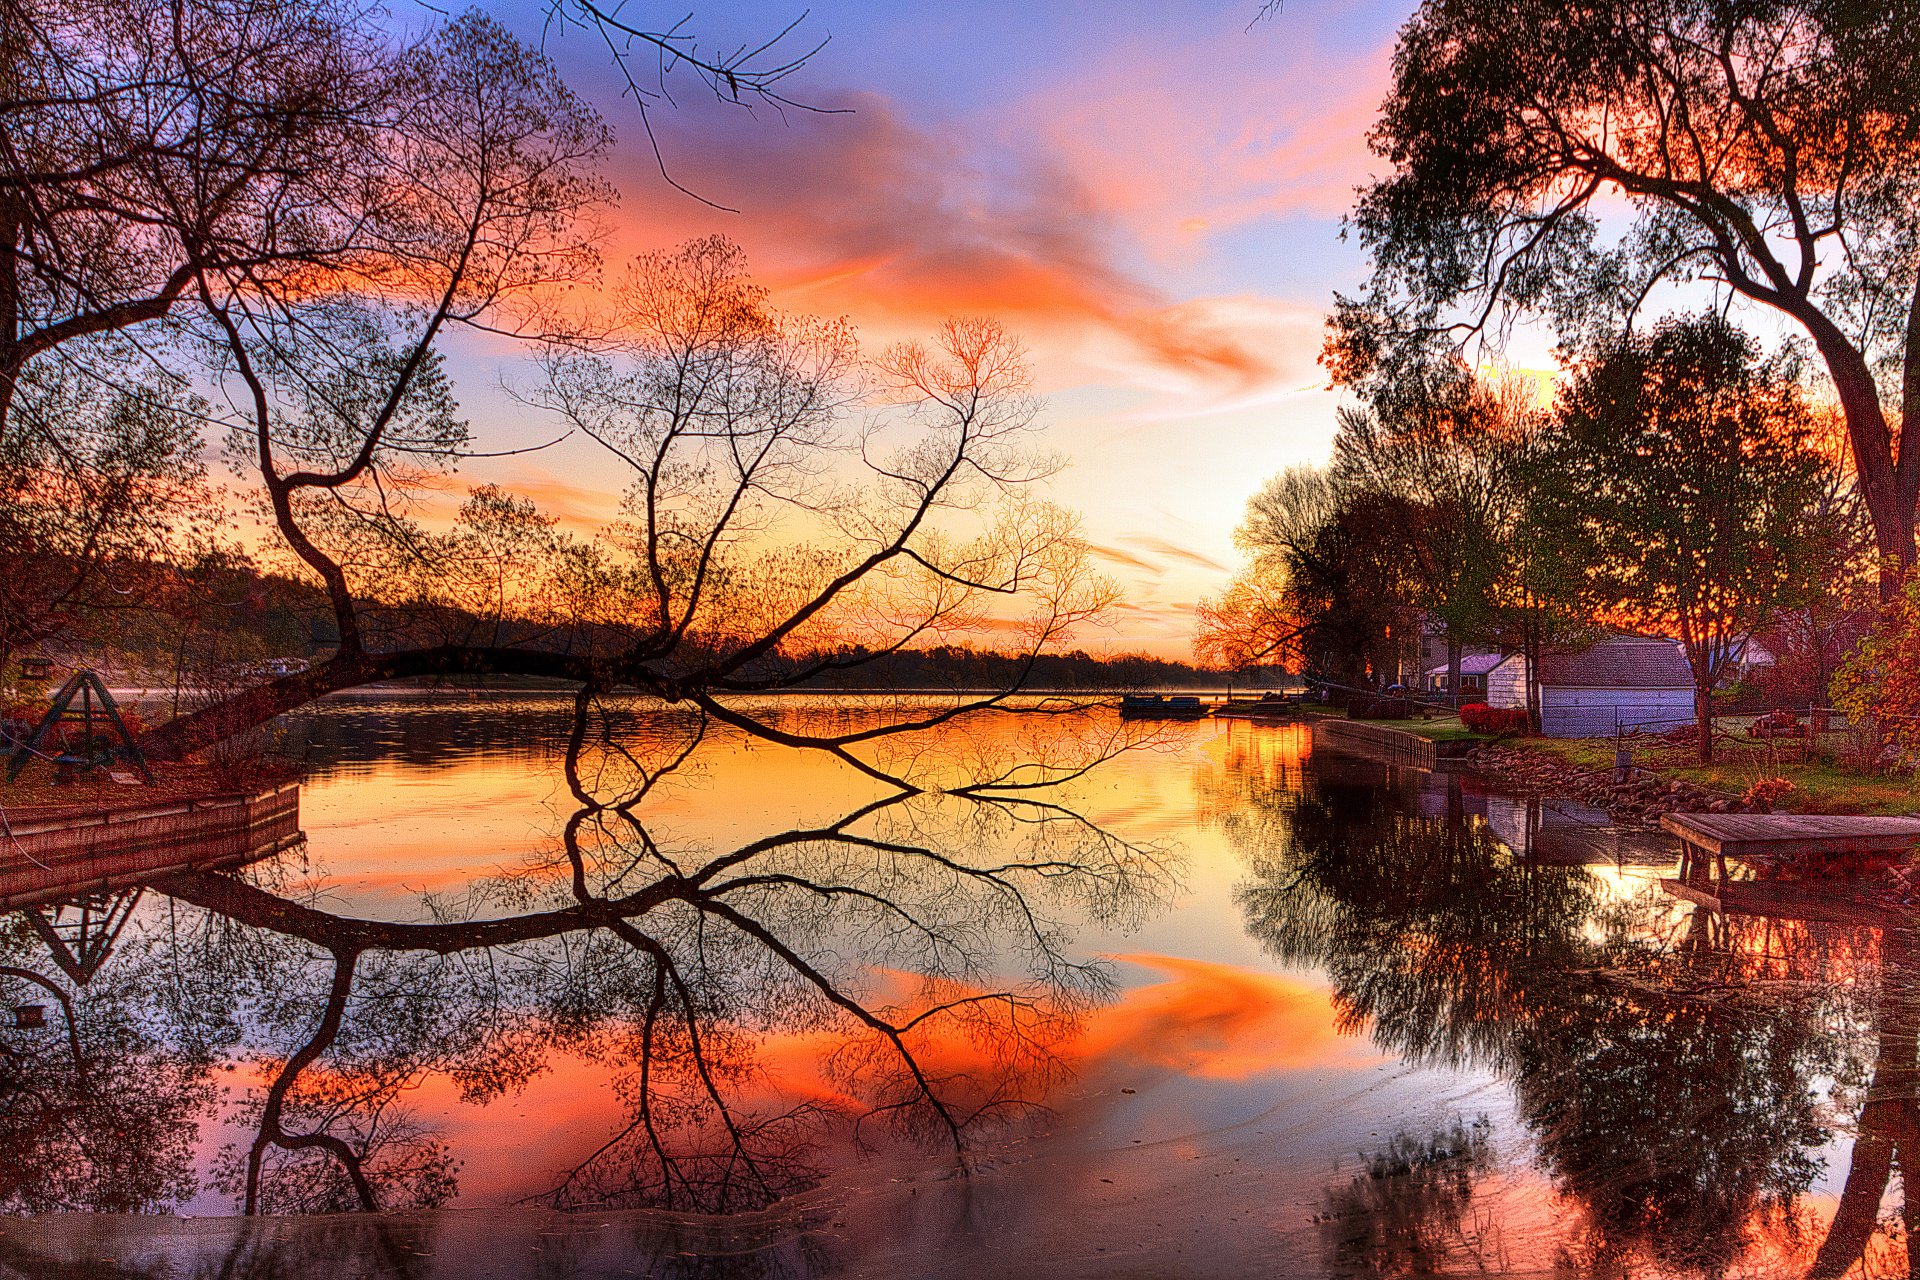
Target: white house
x,y
1618,682
1473,673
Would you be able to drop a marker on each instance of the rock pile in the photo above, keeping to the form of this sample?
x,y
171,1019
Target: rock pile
x,y
1639,801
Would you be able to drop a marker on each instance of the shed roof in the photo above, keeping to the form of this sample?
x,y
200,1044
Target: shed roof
x,y
1471,664
1619,662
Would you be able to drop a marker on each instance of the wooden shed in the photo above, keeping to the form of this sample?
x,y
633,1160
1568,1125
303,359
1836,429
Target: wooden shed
x,y
1619,682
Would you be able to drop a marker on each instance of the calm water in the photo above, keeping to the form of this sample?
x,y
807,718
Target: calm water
x,y
667,1003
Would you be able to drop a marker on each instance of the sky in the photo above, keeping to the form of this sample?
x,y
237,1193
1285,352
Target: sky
x,y
1147,195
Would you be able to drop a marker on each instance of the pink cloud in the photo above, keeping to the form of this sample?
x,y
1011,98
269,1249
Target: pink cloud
x,y
1179,138
899,227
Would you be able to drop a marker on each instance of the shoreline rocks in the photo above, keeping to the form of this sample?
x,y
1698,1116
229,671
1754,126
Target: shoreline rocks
x,y
1639,801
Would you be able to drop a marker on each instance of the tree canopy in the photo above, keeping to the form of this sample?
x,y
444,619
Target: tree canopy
x,y
1768,149
1684,482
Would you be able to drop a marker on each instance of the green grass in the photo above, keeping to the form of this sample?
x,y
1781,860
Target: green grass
x,y
1442,729
1820,786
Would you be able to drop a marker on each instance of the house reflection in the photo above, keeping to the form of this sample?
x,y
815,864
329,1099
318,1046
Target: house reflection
x,y
1667,1062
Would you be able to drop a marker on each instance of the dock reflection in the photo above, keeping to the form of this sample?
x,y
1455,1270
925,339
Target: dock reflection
x,y
1668,1060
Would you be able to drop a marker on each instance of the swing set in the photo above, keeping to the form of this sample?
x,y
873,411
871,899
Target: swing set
x,y
92,751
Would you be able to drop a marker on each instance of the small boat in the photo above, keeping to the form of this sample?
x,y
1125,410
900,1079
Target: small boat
x,y
1266,707
1153,706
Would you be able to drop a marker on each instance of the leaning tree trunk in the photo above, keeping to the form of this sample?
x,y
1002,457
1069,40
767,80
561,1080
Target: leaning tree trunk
x,y
1453,669
1886,465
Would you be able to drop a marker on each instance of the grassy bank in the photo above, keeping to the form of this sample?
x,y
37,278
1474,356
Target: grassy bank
x,y
1442,729
1819,786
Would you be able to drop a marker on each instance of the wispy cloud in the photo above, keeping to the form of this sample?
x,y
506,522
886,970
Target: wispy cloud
x,y
900,226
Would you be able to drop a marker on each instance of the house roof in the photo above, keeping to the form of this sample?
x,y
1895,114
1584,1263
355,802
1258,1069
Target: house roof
x,y
1619,662
1471,664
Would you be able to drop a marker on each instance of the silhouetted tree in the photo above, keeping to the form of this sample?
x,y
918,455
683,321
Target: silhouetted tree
x,y
1772,150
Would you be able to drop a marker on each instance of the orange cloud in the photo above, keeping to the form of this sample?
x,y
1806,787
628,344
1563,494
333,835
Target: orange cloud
x,y
1217,1021
899,227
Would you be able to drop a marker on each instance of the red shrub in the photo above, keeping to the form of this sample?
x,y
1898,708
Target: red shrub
x,y
1497,721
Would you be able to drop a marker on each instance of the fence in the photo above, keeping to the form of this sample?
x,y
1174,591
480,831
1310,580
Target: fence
x,y
1394,746
54,856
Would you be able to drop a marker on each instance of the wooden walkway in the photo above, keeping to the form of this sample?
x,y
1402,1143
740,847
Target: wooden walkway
x,y
47,858
1709,839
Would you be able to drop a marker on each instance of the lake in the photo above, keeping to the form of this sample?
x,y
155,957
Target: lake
x,y
625,993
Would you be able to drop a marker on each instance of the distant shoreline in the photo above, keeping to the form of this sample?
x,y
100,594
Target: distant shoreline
x,y
510,686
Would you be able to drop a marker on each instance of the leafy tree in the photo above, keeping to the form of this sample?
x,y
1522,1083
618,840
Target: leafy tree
x,y
1450,445
1878,684
1326,585
1769,148
1684,484
1256,619
99,482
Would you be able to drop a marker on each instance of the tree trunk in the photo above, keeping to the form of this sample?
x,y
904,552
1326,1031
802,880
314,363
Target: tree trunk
x,y
1888,474
1453,669
1532,638
255,705
1703,717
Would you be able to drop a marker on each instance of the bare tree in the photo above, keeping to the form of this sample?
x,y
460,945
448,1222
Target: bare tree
x,y
793,510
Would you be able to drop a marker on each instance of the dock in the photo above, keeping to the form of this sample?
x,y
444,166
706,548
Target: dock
x,y
56,856
1790,900
1775,836
1708,840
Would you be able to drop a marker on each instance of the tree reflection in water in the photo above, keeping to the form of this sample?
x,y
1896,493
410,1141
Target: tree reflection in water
x,y
1669,1063
921,937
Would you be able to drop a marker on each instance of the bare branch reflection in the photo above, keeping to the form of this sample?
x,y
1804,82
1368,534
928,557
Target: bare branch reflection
x,y
914,946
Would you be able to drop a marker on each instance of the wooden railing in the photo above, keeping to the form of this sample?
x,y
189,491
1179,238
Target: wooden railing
x,y
58,855
1395,746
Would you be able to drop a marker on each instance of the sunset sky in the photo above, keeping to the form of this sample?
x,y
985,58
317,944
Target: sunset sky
x,y
1149,195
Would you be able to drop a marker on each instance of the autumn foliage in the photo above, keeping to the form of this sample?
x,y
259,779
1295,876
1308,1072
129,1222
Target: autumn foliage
x,y
1880,680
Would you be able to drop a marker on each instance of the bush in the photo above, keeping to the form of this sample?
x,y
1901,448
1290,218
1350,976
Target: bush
x,y
1494,721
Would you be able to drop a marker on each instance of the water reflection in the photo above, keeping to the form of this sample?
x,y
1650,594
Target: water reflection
x,y
916,945
1669,1063
673,1002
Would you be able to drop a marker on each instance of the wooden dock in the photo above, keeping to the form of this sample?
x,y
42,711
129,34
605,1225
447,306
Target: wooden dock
x,y
1708,840
1776,836
47,858
1789,900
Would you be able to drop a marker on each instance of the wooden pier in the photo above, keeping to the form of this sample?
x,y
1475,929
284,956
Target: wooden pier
x,y
1709,840
1780,837
51,857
